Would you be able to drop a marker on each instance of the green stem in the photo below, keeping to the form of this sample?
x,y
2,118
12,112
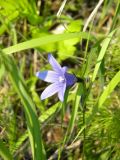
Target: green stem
x,y
84,133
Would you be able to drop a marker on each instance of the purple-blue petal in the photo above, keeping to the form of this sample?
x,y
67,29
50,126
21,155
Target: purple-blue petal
x,y
61,92
64,69
55,65
50,90
48,76
70,79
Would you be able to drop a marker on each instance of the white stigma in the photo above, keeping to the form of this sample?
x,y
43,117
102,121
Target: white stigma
x,y
61,79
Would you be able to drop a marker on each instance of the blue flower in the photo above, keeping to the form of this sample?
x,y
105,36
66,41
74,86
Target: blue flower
x,y
59,78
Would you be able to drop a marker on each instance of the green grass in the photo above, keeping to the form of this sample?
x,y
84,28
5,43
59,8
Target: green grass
x,y
86,125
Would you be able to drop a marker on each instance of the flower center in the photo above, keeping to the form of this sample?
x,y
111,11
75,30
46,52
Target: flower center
x,y
61,79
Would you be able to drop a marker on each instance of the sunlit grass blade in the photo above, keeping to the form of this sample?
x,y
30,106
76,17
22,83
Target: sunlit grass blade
x,y
75,107
4,152
110,87
73,117
45,40
28,105
101,54
19,143
50,112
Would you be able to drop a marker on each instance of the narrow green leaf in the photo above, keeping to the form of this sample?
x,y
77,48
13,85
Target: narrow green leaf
x,y
28,105
47,114
43,41
110,87
101,54
73,117
75,107
4,152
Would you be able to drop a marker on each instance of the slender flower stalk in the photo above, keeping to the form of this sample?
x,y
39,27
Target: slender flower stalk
x,y
59,79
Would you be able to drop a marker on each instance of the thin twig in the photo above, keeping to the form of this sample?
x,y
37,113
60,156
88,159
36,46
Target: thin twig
x,y
92,14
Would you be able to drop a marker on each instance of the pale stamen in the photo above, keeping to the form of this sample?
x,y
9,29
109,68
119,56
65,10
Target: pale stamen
x,y
61,79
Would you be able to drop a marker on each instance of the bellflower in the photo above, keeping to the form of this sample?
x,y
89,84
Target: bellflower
x,y
58,77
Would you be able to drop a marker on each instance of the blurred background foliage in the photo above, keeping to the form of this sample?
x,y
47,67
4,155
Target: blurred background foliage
x,y
23,20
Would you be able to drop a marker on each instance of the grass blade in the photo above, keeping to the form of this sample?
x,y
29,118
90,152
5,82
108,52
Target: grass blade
x,y
50,112
101,54
29,107
75,108
110,87
44,40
